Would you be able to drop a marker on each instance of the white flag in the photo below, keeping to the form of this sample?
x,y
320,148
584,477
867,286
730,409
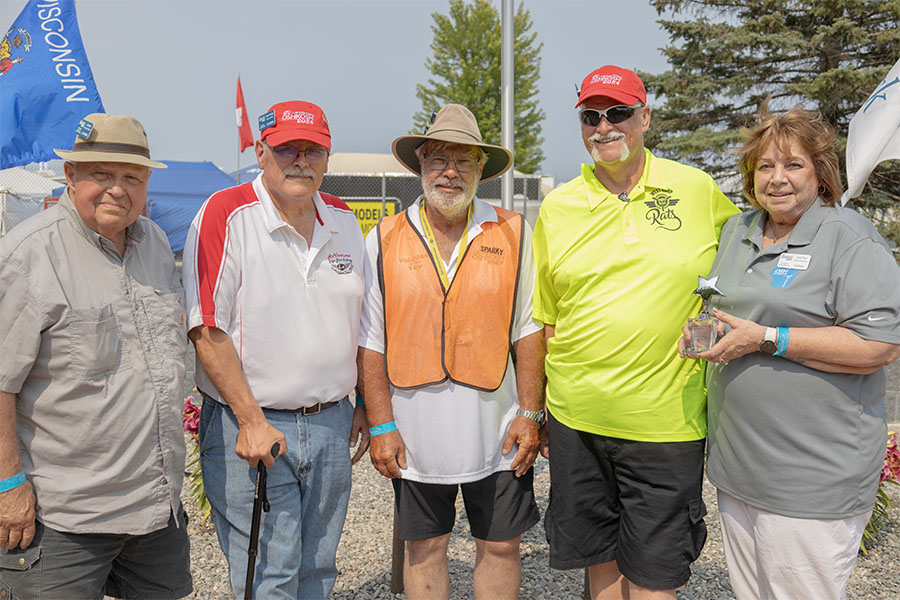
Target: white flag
x,y
874,134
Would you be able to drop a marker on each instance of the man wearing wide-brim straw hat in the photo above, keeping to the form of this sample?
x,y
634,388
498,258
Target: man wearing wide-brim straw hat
x,y
91,380
448,295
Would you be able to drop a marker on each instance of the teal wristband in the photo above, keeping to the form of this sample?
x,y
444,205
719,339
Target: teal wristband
x,y
359,400
13,482
782,341
383,428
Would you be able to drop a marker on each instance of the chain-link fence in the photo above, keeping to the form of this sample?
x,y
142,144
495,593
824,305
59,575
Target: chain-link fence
x,y
24,192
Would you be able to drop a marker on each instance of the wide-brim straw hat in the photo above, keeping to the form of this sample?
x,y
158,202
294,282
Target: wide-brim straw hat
x,y
110,138
454,124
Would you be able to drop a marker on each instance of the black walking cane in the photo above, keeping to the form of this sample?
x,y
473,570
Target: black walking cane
x,y
260,503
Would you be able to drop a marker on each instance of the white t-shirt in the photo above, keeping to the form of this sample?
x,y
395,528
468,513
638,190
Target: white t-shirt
x,y
292,311
452,433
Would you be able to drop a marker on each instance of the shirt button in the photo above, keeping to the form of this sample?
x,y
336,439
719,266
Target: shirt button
x,y
163,481
21,561
2,593
749,270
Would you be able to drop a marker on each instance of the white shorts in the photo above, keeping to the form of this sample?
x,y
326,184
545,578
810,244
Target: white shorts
x,y
772,557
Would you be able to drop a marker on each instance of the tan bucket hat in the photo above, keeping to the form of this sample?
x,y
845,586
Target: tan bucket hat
x,y
456,124
110,138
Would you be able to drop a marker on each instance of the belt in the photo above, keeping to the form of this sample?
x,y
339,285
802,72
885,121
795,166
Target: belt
x,y
308,410
305,410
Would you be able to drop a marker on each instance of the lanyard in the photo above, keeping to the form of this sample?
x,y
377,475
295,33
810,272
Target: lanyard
x,y
432,243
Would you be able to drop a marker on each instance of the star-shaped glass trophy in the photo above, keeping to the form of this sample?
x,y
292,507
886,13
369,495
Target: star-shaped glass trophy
x,y
704,327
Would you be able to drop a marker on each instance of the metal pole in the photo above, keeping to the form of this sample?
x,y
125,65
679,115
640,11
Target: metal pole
x,y
507,71
238,175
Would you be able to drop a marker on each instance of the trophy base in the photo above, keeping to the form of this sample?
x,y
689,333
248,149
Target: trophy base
x,y
704,333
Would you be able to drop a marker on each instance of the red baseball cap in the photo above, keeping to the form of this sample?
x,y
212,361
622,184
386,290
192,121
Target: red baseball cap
x,y
613,82
296,120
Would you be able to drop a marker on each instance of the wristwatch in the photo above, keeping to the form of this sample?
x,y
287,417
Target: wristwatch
x,y
769,345
535,415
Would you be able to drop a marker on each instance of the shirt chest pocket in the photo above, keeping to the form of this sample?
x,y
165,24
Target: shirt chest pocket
x,y
95,347
165,316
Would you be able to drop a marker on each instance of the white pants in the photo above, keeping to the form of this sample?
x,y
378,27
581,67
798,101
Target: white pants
x,y
772,557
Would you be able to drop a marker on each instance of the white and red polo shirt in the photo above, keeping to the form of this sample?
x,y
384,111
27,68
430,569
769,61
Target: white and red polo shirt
x,y
292,311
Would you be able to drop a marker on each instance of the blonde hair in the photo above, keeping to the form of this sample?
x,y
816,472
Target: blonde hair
x,y
799,125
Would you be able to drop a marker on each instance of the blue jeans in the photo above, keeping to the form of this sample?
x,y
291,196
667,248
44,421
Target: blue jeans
x,y
308,490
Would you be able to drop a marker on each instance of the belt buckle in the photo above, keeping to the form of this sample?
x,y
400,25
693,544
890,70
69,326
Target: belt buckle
x,y
308,410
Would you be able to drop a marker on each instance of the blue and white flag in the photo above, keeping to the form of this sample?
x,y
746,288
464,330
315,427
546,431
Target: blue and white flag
x,y
46,85
874,134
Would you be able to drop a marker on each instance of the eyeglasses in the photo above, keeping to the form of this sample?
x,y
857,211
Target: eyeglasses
x,y
464,164
290,154
613,114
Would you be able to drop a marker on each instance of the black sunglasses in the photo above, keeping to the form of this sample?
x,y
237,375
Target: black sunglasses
x,y
613,114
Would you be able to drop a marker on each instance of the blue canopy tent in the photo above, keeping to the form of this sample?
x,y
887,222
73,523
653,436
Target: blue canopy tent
x,y
176,194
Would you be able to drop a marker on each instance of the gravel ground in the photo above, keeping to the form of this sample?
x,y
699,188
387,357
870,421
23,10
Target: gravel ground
x,y
364,557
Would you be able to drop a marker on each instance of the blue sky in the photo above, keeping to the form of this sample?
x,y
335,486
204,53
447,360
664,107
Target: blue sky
x,y
174,65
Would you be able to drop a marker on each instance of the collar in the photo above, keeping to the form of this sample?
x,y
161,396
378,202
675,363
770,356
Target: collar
x,y
652,177
134,232
273,218
803,232
482,213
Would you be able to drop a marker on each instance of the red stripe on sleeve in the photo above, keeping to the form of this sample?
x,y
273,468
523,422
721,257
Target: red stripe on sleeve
x,y
212,240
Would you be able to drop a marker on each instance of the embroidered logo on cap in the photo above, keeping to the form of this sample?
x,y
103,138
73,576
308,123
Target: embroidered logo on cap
x,y
267,120
607,79
84,129
298,115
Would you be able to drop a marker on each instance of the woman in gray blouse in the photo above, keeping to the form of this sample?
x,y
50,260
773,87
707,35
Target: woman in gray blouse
x,y
797,384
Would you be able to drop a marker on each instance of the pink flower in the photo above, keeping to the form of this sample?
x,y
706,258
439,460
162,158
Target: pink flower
x,y
190,418
891,469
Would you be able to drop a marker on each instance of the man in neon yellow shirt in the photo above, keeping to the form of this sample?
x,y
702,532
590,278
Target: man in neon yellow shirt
x,y
618,251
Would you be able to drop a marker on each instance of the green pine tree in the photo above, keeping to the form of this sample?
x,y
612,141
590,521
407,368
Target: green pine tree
x,y
465,69
727,55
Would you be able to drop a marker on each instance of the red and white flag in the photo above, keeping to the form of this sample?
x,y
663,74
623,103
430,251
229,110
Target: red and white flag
x,y
243,123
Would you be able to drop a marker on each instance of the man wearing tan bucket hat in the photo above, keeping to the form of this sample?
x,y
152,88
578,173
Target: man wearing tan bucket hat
x,y
451,361
92,344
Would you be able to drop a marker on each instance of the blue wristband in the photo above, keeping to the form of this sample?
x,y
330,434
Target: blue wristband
x,y
13,482
383,428
359,400
782,341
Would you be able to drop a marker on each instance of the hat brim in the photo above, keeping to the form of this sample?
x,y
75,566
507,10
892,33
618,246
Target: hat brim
x,y
616,95
404,148
99,156
283,137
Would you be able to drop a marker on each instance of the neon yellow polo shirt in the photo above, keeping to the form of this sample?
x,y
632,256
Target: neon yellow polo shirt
x,y
615,279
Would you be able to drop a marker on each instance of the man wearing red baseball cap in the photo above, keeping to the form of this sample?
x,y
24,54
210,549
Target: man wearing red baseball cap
x,y
274,284
617,252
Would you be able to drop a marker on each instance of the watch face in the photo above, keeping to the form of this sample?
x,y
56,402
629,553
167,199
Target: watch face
x,y
768,347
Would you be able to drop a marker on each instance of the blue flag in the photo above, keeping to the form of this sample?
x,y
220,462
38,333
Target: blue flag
x,y
46,84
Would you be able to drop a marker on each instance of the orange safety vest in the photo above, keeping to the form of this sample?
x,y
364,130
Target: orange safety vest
x,y
461,334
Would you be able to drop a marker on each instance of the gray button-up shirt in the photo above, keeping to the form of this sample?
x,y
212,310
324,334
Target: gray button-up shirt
x,y
92,343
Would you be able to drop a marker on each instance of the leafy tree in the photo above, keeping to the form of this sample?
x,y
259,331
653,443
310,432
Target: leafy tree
x,y
727,55
465,69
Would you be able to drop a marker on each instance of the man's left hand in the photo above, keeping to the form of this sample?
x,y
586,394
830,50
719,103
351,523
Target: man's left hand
x,y
524,432
359,432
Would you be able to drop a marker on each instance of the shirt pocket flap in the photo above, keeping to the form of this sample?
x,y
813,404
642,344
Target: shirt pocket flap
x,y
20,560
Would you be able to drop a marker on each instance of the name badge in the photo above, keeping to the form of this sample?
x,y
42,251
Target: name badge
x,y
84,129
799,262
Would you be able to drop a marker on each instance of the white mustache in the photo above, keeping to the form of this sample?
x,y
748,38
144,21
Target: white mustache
x,y
599,138
300,172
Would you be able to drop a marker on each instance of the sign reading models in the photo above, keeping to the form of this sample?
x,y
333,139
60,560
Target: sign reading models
x,y
368,210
